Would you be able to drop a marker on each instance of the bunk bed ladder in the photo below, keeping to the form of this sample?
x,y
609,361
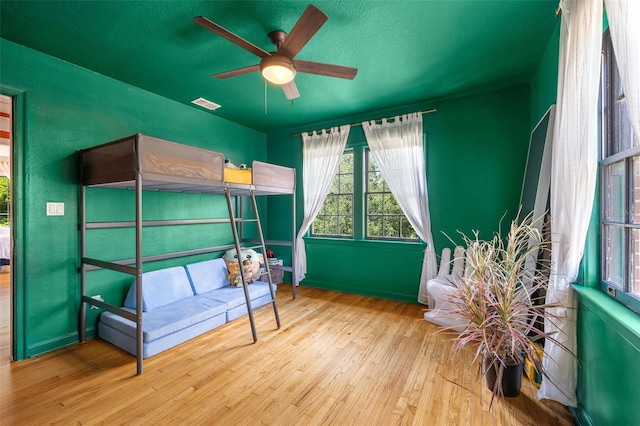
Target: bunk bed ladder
x,y
263,250
238,246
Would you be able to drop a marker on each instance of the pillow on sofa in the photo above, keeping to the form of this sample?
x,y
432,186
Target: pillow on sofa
x,y
160,288
207,275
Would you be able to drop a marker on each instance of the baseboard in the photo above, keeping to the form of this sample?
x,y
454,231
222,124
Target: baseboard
x,y
358,290
45,346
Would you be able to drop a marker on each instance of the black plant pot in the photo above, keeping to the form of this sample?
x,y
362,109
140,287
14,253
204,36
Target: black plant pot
x,y
511,376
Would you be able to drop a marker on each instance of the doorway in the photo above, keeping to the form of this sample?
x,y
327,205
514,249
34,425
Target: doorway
x,y
6,276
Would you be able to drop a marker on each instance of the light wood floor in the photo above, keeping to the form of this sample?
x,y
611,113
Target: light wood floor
x,y
5,349
338,359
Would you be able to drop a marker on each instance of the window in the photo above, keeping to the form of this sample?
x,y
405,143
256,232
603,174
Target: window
x,y
385,219
620,189
335,218
360,205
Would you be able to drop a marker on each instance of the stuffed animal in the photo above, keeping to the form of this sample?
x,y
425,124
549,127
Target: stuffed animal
x,y
249,272
234,277
250,266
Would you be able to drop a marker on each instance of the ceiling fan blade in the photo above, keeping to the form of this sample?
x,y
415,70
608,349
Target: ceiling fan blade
x,y
291,90
239,71
222,32
308,24
326,69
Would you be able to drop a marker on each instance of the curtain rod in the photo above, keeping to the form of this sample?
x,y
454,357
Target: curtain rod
x,y
428,111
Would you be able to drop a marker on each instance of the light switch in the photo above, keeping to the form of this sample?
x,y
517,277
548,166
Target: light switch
x,y
55,209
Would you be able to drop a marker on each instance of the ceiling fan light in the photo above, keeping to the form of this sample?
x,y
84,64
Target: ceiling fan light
x,y
277,69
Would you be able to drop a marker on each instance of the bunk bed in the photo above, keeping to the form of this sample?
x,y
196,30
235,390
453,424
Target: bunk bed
x,y
141,162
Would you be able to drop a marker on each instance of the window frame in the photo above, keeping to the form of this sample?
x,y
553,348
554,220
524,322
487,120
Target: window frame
x,y
611,93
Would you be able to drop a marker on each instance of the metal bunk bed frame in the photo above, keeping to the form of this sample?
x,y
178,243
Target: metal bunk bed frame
x,y
134,266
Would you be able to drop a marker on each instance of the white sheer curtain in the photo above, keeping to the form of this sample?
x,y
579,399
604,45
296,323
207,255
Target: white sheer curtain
x,y
398,150
321,157
573,180
624,24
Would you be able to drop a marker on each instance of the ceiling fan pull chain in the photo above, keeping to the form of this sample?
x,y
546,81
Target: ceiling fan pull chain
x,y
265,97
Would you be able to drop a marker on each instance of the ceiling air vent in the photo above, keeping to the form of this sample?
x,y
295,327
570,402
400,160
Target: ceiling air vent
x,y
206,104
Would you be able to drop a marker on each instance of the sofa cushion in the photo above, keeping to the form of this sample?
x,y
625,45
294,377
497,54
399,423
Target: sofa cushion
x,y
241,310
160,288
208,275
128,343
234,296
168,319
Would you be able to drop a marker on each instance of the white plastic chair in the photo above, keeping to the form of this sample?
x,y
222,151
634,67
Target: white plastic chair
x,y
440,288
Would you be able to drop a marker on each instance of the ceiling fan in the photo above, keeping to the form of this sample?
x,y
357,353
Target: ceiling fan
x,y
280,67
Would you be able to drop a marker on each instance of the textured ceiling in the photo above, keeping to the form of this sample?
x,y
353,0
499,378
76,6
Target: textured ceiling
x,y
406,51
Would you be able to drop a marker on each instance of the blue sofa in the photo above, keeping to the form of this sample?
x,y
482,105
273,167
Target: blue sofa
x,y
180,303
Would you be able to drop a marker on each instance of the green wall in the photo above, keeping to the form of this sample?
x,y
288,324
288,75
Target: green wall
x,y
476,151
62,108
544,82
608,333
608,354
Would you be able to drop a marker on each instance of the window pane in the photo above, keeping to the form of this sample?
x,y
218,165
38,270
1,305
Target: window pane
x,y
376,183
634,273
336,214
635,191
622,126
372,163
614,192
613,246
331,204
345,205
391,205
346,184
374,204
346,166
392,227
407,230
374,226
318,226
346,226
335,185
616,111
385,218
331,225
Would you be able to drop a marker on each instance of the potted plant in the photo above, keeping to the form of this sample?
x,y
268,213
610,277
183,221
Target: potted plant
x,y
495,297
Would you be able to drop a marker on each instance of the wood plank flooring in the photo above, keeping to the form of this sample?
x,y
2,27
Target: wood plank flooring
x,y
5,312
338,359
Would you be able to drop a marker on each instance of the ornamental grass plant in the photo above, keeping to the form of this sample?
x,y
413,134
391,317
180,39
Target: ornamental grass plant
x,y
497,296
